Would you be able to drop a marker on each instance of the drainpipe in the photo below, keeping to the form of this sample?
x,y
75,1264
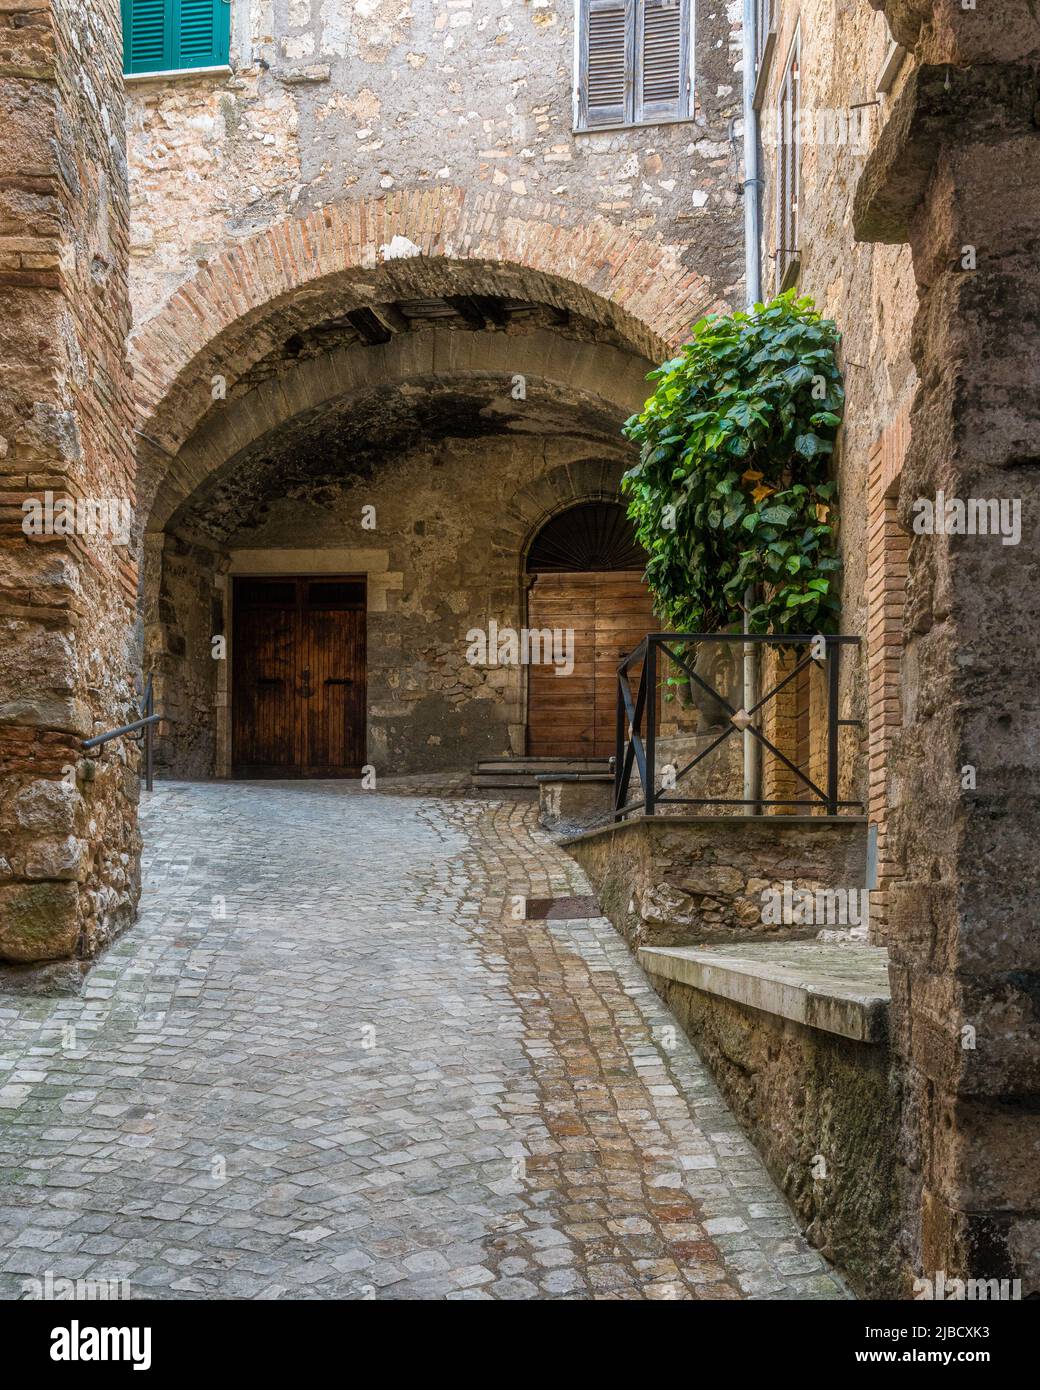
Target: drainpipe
x,y
752,181
753,287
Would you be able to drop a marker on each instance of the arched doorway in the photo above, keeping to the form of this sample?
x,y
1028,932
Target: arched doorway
x,y
586,579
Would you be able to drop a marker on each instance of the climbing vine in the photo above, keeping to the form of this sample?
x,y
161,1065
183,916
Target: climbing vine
x,y
732,488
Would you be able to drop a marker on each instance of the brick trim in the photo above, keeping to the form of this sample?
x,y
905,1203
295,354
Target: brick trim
x,y
236,307
888,547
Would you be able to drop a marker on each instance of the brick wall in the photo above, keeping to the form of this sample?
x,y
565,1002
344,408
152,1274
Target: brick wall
x,y
868,290
69,871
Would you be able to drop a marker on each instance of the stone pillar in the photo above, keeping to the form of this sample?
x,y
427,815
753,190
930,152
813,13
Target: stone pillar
x,y
69,849
955,174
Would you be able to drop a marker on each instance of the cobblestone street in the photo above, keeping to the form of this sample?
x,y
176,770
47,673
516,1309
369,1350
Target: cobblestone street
x,y
328,1062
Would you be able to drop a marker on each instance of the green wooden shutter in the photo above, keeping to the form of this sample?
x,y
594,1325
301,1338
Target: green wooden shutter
x,y
163,35
202,33
146,36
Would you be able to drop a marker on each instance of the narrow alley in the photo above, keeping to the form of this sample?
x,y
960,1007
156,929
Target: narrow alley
x,y
334,1060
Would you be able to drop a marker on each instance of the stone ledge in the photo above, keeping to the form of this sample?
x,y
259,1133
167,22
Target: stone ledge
x,y
549,777
837,989
666,821
134,79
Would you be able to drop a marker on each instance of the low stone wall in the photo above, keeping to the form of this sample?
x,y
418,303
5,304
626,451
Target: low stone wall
x,y
680,880
823,1112
569,805
720,772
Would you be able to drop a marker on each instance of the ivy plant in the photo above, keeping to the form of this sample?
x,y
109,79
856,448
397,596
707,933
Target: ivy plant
x,y
733,486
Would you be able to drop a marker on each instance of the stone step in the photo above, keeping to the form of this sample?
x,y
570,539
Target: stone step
x,y
505,782
532,767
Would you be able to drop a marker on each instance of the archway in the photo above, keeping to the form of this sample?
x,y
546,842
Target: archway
x,y
586,588
462,385
343,263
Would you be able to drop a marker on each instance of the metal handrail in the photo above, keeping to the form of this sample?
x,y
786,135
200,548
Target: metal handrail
x,y
147,722
638,713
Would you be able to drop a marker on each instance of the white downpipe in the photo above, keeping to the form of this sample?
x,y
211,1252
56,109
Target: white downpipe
x,y
753,284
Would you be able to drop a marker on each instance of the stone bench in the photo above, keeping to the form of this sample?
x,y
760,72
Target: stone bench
x,y
840,989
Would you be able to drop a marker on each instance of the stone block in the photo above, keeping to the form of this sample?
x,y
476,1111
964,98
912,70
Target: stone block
x,y
38,921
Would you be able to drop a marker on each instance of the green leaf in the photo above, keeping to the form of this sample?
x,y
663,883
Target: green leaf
x,y
735,399
777,516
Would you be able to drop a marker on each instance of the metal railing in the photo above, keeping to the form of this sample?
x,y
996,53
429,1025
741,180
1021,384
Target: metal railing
x,y
637,712
144,727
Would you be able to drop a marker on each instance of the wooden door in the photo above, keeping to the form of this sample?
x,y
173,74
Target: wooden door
x,y
610,614
298,684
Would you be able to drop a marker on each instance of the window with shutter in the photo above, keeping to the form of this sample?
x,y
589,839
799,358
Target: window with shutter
x,y
165,35
765,43
660,72
788,159
633,62
607,75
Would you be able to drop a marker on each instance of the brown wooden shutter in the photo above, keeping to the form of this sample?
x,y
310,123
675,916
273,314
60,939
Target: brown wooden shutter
x,y
604,63
661,69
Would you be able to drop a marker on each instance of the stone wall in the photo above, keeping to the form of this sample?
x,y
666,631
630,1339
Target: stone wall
x,y
954,175
329,102
437,565
679,881
823,1112
69,866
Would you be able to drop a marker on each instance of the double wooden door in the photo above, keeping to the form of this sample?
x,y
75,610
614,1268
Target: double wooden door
x,y
610,613
298,679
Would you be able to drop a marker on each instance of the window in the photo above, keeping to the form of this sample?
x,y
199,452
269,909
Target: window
x,y
164,35
788,152
765,42
633,62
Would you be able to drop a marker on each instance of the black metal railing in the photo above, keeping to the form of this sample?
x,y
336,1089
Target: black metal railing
x,y
636,750
143,728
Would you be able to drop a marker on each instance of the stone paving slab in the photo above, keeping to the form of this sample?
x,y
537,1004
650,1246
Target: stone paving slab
x,y
333,1060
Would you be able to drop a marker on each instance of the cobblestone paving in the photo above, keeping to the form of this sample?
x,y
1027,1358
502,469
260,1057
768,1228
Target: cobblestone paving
x,y
329,1063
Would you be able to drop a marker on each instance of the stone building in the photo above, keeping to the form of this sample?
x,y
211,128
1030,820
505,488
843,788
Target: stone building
x,y
352,302
409,218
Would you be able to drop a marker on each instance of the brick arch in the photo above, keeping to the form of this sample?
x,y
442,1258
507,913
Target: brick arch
x,y
301,270
582,480
615,379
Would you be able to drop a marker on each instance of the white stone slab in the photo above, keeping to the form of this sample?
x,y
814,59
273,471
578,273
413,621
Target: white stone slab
x,y
839,989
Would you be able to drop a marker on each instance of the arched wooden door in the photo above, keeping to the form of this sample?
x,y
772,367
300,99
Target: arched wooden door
x,y
586,569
